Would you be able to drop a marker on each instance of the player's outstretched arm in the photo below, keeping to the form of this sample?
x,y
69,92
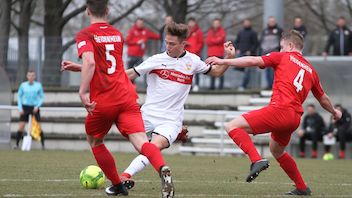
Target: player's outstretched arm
x,y
219,70
326,103
70,66
246,61
132,74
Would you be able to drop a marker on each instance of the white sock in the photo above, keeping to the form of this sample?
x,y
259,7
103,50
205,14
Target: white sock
x,y
137,165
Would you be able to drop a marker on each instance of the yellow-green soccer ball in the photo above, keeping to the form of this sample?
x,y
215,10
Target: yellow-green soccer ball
x,y
328,156
92,177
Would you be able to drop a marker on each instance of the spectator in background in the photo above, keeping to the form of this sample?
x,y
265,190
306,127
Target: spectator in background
x,y
341,129
194,44
313,128
270,42
215,40
340,39
299,27
30,97
136,41
168,19
246,44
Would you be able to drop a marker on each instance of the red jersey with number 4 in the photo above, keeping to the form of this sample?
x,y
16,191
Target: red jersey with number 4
x,y
110,84
294,77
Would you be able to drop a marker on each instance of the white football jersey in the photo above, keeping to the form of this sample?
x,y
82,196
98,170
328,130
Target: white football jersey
x,y
169,81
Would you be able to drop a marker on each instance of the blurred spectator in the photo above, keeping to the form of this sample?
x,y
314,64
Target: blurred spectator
x,y
270,42
30,97
313,127
168,19
215,40
341,129
246,44
299,27
136,41
194,44
340,39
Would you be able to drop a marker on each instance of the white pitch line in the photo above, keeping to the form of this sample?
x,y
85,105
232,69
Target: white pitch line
x,y
175,181
148,195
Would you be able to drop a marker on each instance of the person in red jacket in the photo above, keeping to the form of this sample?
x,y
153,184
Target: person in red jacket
x,y
136,41
194,44
215,38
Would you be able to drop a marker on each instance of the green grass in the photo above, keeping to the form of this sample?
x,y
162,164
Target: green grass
x,y
56,174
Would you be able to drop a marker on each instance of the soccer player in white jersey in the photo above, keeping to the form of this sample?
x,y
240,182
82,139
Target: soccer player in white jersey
x,y
169,80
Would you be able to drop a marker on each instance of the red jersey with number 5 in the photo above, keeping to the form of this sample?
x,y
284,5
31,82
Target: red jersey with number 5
x,y
110,84
294,77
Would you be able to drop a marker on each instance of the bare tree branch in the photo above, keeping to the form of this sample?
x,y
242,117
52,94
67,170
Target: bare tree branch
x,y
64,6
349,6
117,19
74,13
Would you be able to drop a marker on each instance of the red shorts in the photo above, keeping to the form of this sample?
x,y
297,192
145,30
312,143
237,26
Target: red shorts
x,y
127,117
281,122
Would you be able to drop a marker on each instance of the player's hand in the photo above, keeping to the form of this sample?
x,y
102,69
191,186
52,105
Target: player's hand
x,y
214,61
330,135
300,133
230,50
21,112
90,106
337,114
140,42
35,110
70,66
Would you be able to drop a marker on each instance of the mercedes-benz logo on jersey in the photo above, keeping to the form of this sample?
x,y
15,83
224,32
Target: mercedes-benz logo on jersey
x,y
165,73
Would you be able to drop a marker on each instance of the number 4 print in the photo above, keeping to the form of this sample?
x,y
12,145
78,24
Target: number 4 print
x,y
111,58
297,82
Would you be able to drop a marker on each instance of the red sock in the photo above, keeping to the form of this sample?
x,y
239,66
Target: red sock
x,y
154,155
242,139
314,154
342,154
290,167
107,163
126,175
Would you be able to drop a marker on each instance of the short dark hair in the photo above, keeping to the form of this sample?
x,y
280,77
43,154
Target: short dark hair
x,y
295,37
342,17
191,19
311,105
30,71
97,7
177,29
338,106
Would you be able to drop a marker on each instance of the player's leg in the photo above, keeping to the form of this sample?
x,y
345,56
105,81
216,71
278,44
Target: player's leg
x,y
342,139
315,140
107,164
289,165
97,126
21,125
302,145
239,130
130,123
141,161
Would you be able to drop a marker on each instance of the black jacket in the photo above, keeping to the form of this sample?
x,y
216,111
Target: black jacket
x,y
302,29
270,40
313,124
334,41
247,40
342,125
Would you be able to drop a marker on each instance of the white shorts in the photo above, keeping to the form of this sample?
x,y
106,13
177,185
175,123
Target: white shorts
x,y
167,129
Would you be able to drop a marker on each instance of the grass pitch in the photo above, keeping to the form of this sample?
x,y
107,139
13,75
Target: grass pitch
x,y
56,174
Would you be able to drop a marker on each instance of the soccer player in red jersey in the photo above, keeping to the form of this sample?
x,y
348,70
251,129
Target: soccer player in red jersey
x,y
112,98
294,78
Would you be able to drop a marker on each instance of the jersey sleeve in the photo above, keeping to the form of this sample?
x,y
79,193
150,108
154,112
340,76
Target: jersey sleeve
x,y
201,67
272,59
317,89
84,44
145,67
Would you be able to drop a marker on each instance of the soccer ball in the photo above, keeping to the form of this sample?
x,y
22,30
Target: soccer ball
x,y
328,156
92,177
